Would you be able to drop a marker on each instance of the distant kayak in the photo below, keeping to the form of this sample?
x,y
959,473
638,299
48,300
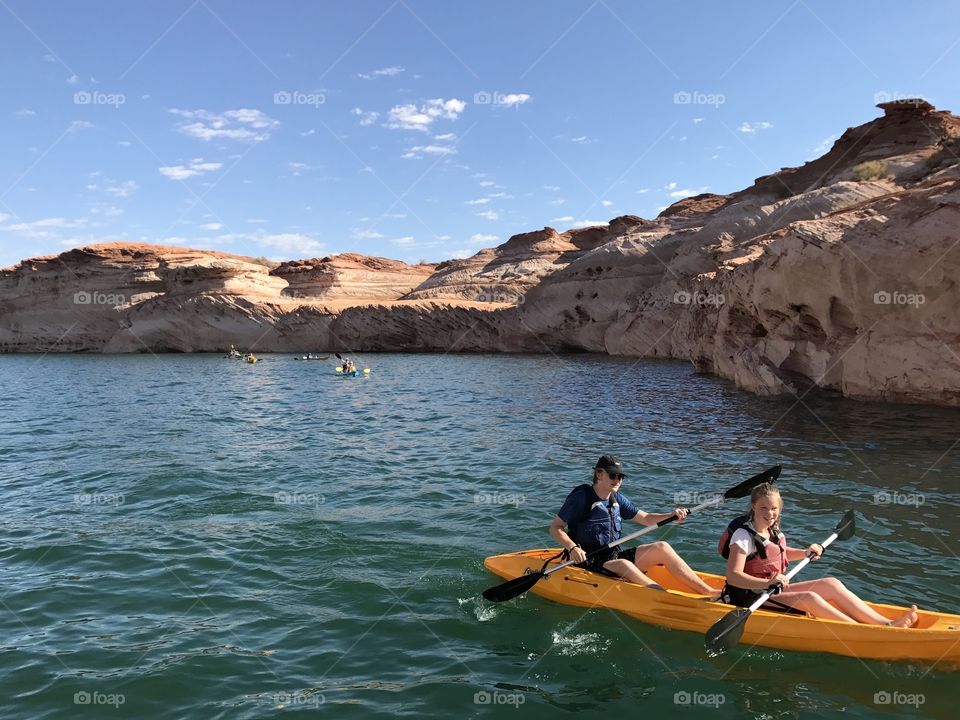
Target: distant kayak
x,y
936,635
315,357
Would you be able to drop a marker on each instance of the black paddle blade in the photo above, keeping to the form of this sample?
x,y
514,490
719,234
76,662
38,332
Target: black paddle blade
x,y
727,631
338,356
744,488
512,588
847,527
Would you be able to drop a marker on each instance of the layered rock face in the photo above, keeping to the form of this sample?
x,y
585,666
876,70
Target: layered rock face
x,y
840,274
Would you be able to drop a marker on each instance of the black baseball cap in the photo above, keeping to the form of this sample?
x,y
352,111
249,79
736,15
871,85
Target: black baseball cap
x,y
610,463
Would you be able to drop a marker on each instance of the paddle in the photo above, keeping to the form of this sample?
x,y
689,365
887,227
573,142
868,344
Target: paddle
x,y
366,371
727,631
518,586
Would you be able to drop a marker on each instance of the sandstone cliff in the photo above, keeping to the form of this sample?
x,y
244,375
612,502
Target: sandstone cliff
x,y
840,274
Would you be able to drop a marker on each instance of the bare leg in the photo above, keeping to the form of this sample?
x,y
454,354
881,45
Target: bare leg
x,y
628,571
831,589
811,603
660,553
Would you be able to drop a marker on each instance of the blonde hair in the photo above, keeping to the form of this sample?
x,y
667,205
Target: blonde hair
x,y
766,490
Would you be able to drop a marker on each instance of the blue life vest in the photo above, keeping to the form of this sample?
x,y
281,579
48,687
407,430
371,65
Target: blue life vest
x,y
600,525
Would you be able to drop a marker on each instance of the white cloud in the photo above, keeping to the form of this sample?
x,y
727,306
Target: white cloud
x,y
77,125
212,226
395,215
824,145
366,118
391,71
686,192
481,239
641,191
308,133
73,80
582,140
671,186
291,243
297,168
405,241
124,143
489,215
25,112
461,254
43,228
606,203
411,117
564,219
196,167
244,124
751,128
446,137
558,201
552,188
487,183
429,150
697,121
478,201
589,223
366,235
513,99
122,189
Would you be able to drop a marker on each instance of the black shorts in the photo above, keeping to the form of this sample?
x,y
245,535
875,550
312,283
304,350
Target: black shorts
x,y
745,598
596,562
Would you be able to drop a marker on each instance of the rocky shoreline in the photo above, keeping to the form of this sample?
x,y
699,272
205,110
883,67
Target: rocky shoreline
x,y
840,274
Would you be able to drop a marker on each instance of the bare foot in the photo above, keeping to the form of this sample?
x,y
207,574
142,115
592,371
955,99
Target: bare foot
x,y
908,619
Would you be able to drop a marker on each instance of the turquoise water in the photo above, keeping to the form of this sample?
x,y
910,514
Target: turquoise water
x,y
192,537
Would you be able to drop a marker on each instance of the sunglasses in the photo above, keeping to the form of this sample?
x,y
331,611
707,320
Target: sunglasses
x,y
616,476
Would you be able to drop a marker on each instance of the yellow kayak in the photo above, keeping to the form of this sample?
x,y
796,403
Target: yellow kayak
x,y
935,637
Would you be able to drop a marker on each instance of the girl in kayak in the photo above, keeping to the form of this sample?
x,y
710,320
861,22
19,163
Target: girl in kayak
x,y
591,517
758,557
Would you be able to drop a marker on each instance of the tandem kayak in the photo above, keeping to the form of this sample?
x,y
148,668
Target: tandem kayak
x,y
936,636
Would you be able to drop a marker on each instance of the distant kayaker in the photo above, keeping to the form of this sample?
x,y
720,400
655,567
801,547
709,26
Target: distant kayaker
x,y
591,518
758,555
251,358
348,366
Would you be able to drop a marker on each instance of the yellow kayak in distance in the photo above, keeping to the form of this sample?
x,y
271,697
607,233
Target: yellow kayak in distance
x,y
936,635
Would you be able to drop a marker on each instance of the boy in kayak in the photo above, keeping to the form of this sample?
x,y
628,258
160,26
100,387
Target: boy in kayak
x,y
348,366
758,558
591,517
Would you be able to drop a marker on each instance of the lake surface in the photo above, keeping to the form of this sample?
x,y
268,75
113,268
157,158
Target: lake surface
x,y
194,537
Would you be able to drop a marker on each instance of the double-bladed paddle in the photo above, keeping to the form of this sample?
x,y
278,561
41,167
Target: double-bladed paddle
x,y
518,586
726,632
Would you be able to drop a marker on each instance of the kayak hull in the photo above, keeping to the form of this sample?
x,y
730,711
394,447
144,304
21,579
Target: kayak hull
x,y
936,636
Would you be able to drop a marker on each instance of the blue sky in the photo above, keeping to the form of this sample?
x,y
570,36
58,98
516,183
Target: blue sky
x,y
423,129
